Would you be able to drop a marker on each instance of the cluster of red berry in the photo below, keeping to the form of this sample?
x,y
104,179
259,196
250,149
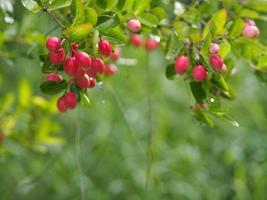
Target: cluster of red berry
x,y
80,67
199,72
136,40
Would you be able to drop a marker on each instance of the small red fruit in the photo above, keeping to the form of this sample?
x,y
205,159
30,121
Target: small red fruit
x,y
98,65
214,48
92,82
136,40
216,62
57,57
54,77
91,72
70,66
151,44
199,73
116,54
134,25
83,82
251,31
71,100
53,44
61,104
83,59
104,47
110,69
181,64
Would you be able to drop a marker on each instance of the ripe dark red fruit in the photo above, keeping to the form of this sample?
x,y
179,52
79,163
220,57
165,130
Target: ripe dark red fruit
x,y
70,66
214,48
251,31
134,25
83,82
98,65
151,44
54,77
57,57
181,64
110,69
216,62
116,54
83,59
61,104
136,40
199,73
70,100
53,44
91,72
104,47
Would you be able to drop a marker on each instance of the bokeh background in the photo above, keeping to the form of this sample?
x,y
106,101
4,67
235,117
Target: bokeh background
x,y
138,140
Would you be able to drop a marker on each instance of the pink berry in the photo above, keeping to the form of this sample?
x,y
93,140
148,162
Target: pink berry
x,y
54,77
216,61
251,31
98,66
57,57
250,22
134,25
199,73
70,100
151,44
116,54
83,82
83,59
214,48
136,40
181,64
104,47
70,66
110,69
53,44
61,104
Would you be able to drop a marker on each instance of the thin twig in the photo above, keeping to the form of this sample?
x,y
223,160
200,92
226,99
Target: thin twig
x,y
54,17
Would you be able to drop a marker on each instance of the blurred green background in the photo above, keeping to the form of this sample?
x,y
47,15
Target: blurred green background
x,y
41,156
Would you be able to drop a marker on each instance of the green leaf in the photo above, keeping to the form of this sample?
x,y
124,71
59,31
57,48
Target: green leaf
x,y
258,5
218,21
77,10
115,35
203,116
78,32
58,4
128,5
261,76
148,19
106,22
52,87
249,13
84,99
198,91
140,6
159,12
24,93
91,16
47,66
237,28
170,72
225,48
31,5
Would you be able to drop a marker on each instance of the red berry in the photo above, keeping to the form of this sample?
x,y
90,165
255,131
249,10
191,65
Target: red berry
x,y
134,25
61,104
74,46
57,57
136,40
83,59
151,44
104,47
214,48
91,72
116,54
71,100
98,65
181,64
92,82
199,73
53,44
70,66
216,61
83,82
110,70
79,72
54,77
251,31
